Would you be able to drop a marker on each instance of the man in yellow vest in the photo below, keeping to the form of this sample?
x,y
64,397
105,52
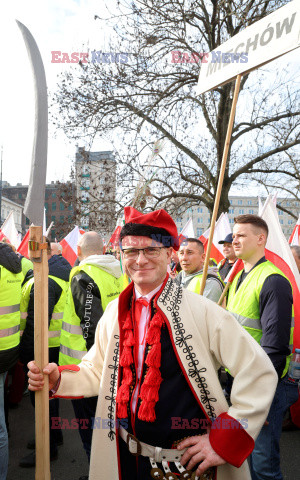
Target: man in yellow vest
x,y
10,294
95,282
58,282
192,257
260,298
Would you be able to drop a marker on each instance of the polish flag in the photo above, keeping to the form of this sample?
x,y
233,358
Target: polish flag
x,y
3,236
222,229
23,247
114,239
69,244
279,253
294,238
9,230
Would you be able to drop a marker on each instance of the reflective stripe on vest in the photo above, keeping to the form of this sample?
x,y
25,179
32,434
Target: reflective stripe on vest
x,y
75,329
72,340
7,332
72,353
57,314
243,302
10,294
10,309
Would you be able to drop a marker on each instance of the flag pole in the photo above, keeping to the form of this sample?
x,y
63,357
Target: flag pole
x,y
38,255
220,182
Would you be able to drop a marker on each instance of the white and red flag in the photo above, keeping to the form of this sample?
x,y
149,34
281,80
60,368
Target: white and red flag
x,y
9,230
222,229
294,238
279,253
23,247
187,231
69,244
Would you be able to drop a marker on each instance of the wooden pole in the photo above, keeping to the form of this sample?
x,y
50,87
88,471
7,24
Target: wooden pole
x,y
220,182
40,269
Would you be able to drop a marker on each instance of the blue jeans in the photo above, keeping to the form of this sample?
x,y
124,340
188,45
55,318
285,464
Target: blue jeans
x,y
265,458
3,432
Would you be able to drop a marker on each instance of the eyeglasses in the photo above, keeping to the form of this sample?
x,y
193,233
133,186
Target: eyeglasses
x,y
149,252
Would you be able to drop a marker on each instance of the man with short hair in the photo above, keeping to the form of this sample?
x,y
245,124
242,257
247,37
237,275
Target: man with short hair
x,y
192,257
56,249
95,282
161,412
227,263
261,299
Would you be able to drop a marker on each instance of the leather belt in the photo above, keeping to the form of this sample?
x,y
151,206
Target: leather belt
x,y
159,454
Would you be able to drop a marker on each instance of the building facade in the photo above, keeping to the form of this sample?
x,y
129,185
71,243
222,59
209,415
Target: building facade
x,y
239,205
8,206
95,174
59,205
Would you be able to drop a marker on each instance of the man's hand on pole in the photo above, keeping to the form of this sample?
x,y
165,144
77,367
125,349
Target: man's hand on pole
x,y
36,378
199,450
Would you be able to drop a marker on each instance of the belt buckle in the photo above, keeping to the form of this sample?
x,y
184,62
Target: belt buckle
x,y
138,445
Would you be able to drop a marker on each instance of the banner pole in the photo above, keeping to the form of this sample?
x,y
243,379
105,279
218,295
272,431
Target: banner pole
x,y
220,182
40,269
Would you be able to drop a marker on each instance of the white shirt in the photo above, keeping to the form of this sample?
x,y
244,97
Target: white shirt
x,y
143,326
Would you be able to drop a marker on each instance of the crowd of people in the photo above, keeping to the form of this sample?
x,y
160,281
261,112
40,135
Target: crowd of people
x,y
187,388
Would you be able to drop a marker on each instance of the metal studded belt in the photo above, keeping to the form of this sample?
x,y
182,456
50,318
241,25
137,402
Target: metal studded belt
x,y
159,454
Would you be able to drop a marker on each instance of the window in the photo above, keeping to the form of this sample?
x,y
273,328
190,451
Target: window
x,y
249,202
240,202
231,210
200,210
241,211
27,221
62,218
281,221
288,204
290,222
231,220
280,212
53,195
200,220
70,206
20,195
53,218
46,206
230,201
61,206
251,211
53,205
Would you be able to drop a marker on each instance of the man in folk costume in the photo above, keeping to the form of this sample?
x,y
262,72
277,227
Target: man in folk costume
x,y
161,411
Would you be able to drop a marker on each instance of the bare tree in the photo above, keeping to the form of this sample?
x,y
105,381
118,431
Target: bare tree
x,y
144,89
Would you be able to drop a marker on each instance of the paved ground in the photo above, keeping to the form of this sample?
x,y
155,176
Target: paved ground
x,y
72,462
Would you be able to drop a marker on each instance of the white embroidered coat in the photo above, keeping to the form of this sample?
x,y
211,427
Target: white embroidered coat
x,y
205,336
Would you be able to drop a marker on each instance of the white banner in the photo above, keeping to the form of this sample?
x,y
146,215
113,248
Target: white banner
x,y
265,40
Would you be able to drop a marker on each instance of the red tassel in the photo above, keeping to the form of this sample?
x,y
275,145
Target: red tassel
x,y
129,339
123,394
153,377
122,410
154,356
126,358
128,323
149,394
127,376
157,320
147,411
153,335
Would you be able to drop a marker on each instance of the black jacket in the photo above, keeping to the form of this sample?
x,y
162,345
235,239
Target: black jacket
x,y
58,267
9,260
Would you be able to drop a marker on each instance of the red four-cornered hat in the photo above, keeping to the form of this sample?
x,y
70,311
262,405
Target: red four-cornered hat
x,y
157,219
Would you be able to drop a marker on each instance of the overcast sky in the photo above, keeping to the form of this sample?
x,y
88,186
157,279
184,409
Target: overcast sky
x,y
61,25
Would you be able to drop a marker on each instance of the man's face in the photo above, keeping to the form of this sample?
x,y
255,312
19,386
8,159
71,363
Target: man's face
x,y
191,257
247,240
228,251
146,272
